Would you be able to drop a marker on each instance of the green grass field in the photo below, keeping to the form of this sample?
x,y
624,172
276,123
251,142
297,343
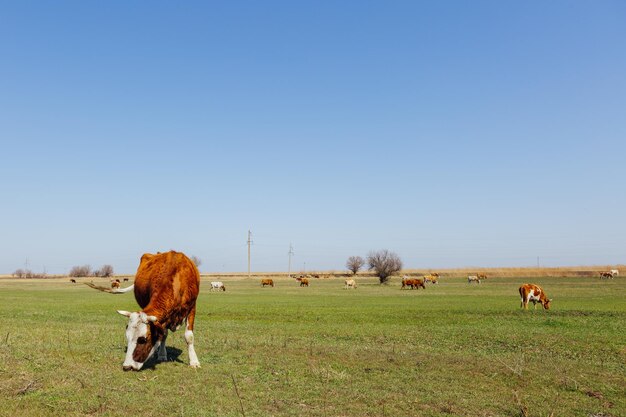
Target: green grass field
x,y
450,350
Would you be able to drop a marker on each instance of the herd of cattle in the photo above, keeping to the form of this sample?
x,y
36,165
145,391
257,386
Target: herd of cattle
x,y
166,287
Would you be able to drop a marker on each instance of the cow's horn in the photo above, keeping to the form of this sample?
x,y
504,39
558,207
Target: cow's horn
x,y
124,313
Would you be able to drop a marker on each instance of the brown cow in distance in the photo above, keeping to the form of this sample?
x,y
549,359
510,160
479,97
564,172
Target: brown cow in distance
x,y
304,282
606,275
115,284
265,282
166,288
533,293
413,283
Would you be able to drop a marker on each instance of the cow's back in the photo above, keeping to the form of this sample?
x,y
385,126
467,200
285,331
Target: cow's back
x,y
167,282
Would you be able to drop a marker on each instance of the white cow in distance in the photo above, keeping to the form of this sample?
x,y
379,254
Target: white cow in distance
x,y
614,271
217,285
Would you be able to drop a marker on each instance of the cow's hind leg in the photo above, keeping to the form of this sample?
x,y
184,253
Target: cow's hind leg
x,y
193,358
162,355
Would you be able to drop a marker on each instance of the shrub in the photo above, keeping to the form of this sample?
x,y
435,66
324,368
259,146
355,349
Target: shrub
x,y
384,263
196,261
80,271
355,263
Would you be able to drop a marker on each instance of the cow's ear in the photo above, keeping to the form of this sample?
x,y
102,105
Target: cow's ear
x,y
124,313
153,319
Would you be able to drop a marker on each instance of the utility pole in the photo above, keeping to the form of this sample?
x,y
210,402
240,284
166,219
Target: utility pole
x,y
249,243
290,255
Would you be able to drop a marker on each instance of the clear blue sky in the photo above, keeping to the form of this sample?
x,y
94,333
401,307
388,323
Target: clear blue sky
x,y
457,133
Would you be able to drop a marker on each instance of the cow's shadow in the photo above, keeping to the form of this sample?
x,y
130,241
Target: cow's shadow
x,y
173,355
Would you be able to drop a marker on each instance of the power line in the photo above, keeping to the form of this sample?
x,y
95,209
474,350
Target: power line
x,y
290,255
249,243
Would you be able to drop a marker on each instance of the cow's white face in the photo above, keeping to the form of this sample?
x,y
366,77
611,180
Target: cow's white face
x,y
142,342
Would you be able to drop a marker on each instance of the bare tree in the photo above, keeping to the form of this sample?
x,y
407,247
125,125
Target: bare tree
x,y
384,263
97,273
106,271
19,273
355,263
196,261
80,271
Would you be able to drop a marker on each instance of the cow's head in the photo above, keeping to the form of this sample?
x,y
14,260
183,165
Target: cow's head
x,y
143,336
546,303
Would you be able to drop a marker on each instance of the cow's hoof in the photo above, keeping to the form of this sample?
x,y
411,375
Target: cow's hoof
x,y
195,365
163,359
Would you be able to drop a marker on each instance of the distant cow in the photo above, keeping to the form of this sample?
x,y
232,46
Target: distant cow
x,y
125,279
614,272
304,282
350,283
473,278
606,275
535,294
433,278
481,276
115,284
413,283
73,281
217,285
265,282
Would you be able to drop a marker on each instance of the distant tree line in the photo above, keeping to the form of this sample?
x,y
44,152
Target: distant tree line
x,y
85,271
27,273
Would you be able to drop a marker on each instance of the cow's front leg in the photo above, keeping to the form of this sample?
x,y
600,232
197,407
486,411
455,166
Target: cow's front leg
x,y
193,358
162,351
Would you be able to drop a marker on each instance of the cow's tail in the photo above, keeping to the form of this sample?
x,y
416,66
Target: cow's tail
x,y
110,290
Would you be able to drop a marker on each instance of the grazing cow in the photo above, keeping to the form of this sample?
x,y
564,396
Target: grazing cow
x,y
217,285
606,275
265,282
125,279
614,272
431,278
73,281
350,283
304,282
481,276
413,283
534,293
115,284
473,278
166,288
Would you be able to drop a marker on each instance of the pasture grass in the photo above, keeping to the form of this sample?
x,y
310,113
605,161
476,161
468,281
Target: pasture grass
x,y
451,350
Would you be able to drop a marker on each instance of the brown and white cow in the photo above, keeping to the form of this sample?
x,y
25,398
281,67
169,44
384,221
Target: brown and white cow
x,y
606,275
304,282
166,288
265,282
473,278
533,293
482,276
115,284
